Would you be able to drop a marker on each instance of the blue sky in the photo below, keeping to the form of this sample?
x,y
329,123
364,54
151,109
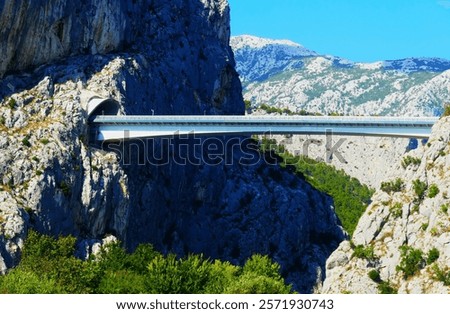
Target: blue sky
x,y
364,30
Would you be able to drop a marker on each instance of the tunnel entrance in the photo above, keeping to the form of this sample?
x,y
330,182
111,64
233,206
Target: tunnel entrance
x,y
101,106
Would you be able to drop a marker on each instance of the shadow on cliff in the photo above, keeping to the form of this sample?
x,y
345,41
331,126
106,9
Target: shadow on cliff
x,y
230,210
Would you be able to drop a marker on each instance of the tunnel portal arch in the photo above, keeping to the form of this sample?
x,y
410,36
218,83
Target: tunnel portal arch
x,y
102,106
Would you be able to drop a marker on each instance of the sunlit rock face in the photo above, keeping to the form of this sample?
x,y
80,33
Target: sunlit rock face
x,y
414,216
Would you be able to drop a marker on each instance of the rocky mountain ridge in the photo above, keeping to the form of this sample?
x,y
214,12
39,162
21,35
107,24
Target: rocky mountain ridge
x,y
302,79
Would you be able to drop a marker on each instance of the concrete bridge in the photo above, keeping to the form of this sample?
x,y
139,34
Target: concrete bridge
x,y
116,128
107,125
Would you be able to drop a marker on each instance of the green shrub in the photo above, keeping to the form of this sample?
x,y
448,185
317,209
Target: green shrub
x,y
374,275
433,191
419,188
386,288
392,186
254,284
262,266
411,261
432,256
138,260
12,103
169,275
29,210
444,208
409,160
270,109
53,260
248,104
415,209
113,257
446,111
26,141
223,274
268,144
2,120
26,282
44,141
424,226
364,252
121,282
260,275
48,265
396,210
65,188
442,275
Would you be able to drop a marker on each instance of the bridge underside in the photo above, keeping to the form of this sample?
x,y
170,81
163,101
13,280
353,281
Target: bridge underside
x,y
133,127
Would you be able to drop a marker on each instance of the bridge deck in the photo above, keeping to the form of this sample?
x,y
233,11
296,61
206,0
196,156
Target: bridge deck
x,y
128,127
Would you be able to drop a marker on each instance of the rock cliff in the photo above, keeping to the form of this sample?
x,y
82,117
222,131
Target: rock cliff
x,y
150,56
403,238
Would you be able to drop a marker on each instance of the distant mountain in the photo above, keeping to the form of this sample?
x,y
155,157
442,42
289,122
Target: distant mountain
x,y
259,58
284,74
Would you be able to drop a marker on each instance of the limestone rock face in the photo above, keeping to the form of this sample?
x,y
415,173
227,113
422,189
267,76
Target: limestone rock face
x,y
414,217
47,30
166,57
13,222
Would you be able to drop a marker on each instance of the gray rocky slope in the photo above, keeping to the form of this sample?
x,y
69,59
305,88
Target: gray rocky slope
x,y
409,217
150,56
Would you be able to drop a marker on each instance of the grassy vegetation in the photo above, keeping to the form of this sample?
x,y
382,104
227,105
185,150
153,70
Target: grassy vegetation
x,y
386,288
446,111
432,256
392,186
383,286
409,160
441,274
412,261
248,104
48,265
433,191
65,188
351,198
271,109
396,210
374,275
12,103
26,141
420,189
364,252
